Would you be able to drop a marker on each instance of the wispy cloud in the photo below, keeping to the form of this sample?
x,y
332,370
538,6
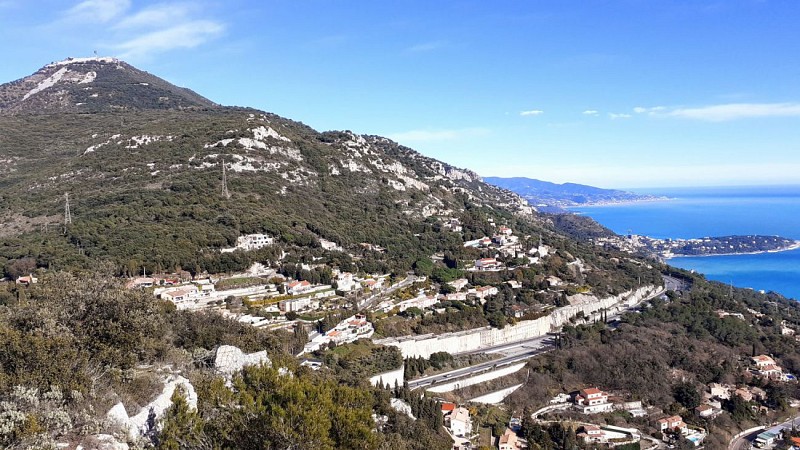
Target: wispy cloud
x,y
591,112
155,16
438,135
140,33
96,11
186,35
734,111
426,47
615,116
532,112
651,110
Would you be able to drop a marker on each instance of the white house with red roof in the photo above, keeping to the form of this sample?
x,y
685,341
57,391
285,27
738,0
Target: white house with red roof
x,y
487,264
762,361
592,434
673,423
485,291
509,441
504,230
592,400
297,287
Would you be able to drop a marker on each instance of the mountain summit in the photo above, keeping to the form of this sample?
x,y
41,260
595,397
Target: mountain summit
x,y
144,173
94,85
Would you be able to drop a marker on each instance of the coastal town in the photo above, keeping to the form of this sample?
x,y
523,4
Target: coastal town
x,y
264,297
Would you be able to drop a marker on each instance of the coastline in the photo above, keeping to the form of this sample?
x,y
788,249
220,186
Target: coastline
x,y
794,246
617,203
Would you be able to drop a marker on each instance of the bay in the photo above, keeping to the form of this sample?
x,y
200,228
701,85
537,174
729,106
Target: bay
x,y
719,211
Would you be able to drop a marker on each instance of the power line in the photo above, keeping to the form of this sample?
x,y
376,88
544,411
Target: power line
x,y
225,192
67,214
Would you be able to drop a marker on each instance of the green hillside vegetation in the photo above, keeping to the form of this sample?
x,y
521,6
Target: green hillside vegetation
x,y
73,345
668,354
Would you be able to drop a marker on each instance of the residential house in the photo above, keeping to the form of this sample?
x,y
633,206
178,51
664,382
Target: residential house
x,y
560,398
329,245
459,284
250,242
27,280
344,282
142,282
704,411
298,304
762,361
459,422
423,301
673,423
456,296
448,407
514,284
517,311
487,264
592,400
504,230
509,440
720,391
592,434
183,297
744,394
758,393
452,224
485,291
297,287
771,371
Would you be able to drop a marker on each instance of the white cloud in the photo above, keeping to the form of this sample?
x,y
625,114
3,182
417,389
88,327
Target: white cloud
x,y
615,116
533,112
437,135
590,112
651,111
96,11
155,16
734,111
185,35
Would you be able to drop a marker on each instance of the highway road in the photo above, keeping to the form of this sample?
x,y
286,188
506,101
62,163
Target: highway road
x,y
378,295
466,372
515,352
745,442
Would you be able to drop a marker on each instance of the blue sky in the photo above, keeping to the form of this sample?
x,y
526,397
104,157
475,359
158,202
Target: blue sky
x,y
615,93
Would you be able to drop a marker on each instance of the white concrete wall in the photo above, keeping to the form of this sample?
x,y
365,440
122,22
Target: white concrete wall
x,y
478,338
464,382
495,397
389,377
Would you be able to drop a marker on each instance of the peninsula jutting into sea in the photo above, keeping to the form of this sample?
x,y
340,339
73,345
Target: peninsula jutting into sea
x,y
706,246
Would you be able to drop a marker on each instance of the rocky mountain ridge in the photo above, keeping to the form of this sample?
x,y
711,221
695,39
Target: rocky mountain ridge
x,y
93,85
140,167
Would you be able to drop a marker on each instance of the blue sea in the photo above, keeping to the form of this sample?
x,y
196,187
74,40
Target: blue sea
x,y
720,211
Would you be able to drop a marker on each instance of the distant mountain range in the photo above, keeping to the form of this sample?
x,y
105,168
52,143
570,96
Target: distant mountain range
x,y
544,193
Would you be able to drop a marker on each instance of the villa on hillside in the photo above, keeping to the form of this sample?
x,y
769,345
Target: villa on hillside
x,y
673,423
592,400
509,441
250,242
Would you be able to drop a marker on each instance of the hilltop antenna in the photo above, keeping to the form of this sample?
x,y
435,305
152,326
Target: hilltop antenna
x,y
225,192
67,214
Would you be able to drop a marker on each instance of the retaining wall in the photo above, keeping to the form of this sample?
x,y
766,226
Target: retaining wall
x,y
478,338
